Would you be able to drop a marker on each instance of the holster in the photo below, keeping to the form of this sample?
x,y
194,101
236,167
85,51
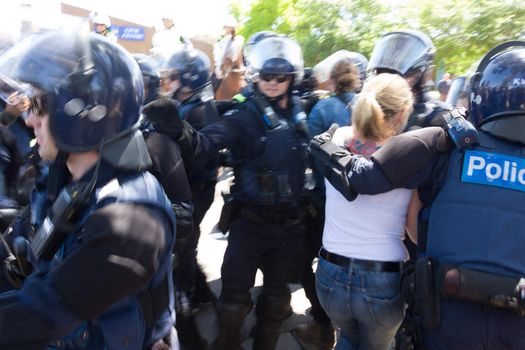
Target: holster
x,y
427,299
230,211
481,287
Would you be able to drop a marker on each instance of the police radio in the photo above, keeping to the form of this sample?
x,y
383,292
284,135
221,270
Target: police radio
x,y
65,212
460,130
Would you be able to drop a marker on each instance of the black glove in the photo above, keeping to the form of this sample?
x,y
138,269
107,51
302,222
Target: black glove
x,y
163,114
333,161
325,136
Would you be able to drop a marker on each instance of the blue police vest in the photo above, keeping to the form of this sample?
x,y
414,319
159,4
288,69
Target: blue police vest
x,y
123,326
477,219
275,177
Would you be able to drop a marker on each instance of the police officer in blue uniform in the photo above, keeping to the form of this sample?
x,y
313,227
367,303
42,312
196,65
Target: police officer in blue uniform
x,y
168,167
98,268
150,74
410,53
267,140
189,69
469,287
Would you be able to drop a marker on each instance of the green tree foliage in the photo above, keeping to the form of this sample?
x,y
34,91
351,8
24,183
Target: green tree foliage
x,y
462,30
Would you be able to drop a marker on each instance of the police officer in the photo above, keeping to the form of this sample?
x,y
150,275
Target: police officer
x,y
267,141
470,289
101,254
102,26
168,167
189,71
410,53
150,74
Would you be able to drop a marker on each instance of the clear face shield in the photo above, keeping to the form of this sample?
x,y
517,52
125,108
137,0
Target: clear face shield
x,y
11,90
17,96
456,88
397,52
94,87
276,47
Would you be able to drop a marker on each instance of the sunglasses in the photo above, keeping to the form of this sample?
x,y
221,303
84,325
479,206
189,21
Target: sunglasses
x,y
281,78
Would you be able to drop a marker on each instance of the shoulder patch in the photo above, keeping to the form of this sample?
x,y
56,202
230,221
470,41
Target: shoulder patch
x,y
107,190
239,98
494,169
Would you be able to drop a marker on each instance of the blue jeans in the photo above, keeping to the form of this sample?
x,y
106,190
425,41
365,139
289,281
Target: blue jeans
x,y
365,305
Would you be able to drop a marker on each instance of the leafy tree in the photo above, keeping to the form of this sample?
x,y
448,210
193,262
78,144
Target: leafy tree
x,y
462,30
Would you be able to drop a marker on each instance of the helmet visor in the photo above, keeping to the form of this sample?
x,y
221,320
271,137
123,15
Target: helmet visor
x,y
276,47
397,52
11,91
457,86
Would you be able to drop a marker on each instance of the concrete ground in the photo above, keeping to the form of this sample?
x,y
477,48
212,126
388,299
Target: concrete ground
x,y
211,250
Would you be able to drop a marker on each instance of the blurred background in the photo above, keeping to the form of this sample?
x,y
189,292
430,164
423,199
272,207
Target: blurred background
x,y
462,30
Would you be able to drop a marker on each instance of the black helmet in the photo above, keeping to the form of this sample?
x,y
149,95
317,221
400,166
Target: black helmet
x,y
497,98
277,55
150,73
403,52
94,87
192,65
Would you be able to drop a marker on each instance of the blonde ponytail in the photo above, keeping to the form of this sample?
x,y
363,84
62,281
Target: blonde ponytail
x,y
381,99
367,116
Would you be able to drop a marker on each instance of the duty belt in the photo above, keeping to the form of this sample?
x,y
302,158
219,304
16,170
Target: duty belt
x,y
459,283
367,265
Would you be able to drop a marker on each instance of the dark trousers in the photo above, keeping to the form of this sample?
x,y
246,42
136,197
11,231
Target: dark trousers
x,y
275,248
203,196
475,326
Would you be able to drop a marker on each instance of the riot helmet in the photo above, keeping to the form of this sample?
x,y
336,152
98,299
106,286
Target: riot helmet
x,y
457,87
190,66
150,73
277,55
323,69
254,39
409,53
230,21
100,18
93,88
497,96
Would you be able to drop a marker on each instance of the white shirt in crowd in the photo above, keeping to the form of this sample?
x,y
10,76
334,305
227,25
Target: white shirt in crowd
x,y
370,227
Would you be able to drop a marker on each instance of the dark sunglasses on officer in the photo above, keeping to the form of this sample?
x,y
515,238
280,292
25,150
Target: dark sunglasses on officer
x,y
281,78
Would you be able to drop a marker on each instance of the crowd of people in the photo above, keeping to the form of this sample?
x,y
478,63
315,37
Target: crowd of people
x,y
109,161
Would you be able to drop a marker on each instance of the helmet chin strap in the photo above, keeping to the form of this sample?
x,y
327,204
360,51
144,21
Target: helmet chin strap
x,y
58,175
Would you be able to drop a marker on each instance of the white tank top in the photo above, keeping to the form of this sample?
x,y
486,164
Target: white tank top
x,y
370,227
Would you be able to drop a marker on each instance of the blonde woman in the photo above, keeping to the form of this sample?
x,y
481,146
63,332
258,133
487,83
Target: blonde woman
x,y
358,274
